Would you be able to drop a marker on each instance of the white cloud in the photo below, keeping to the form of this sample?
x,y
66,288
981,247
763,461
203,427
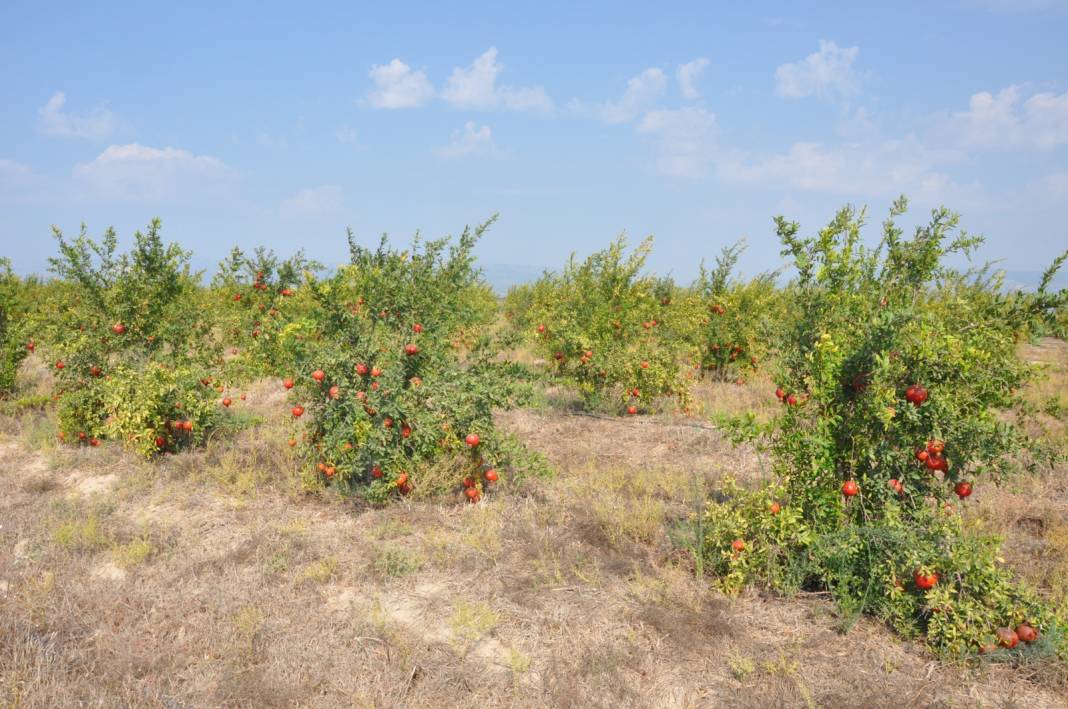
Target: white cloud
x,y
685,140
1001,122
472,141
689,73
870,169
642,91
137,171
476,88
346,135
314,201
397,86
95,125
826,73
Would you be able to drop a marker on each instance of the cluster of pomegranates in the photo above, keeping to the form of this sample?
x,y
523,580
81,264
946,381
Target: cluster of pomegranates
x,y
788,399
1009,638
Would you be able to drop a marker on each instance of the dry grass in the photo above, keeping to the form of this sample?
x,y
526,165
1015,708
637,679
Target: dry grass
x,y
214,578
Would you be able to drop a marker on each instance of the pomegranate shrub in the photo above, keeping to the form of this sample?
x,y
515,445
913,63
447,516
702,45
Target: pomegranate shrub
x,y
895,375
730,318
15,339
128,338
393,372
610,330
256,296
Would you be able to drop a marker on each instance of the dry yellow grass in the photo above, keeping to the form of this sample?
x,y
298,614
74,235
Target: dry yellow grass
x,y
214,578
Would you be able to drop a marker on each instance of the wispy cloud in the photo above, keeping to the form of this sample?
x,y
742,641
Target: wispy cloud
x,y
97,124
827,73
688,74
642,92
1006,121
472,141
475,87
397,85
135,171
685,140
346,135
314,202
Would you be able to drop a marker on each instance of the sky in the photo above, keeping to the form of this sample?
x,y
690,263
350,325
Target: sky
x,y
281,124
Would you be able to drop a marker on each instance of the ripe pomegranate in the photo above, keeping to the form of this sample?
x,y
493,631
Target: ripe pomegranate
x,y
292,442
227,401
472,440
1007,638
936,462
936,447
632,410
411,350
1026,633
850,488
376,372
963,489
916,395
469,481
288,383
388,422
922,454
775,508
645,365
297,411
406,431
94,442
491,475
402,480
780,394
60,365
330,471
335,392
738,545
376,472
361,369
541,329
118,328
417,328
31,345
473,495
319,375
925,582
791,400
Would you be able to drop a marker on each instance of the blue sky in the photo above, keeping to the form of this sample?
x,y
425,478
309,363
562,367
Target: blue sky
x,y
280,125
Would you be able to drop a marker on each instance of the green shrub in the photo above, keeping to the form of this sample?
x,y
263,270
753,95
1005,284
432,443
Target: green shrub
x,y
129,341
604,326
14,345
255,297
406,370
896,371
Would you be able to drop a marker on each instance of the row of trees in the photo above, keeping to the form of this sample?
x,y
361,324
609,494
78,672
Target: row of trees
x,y
898,378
